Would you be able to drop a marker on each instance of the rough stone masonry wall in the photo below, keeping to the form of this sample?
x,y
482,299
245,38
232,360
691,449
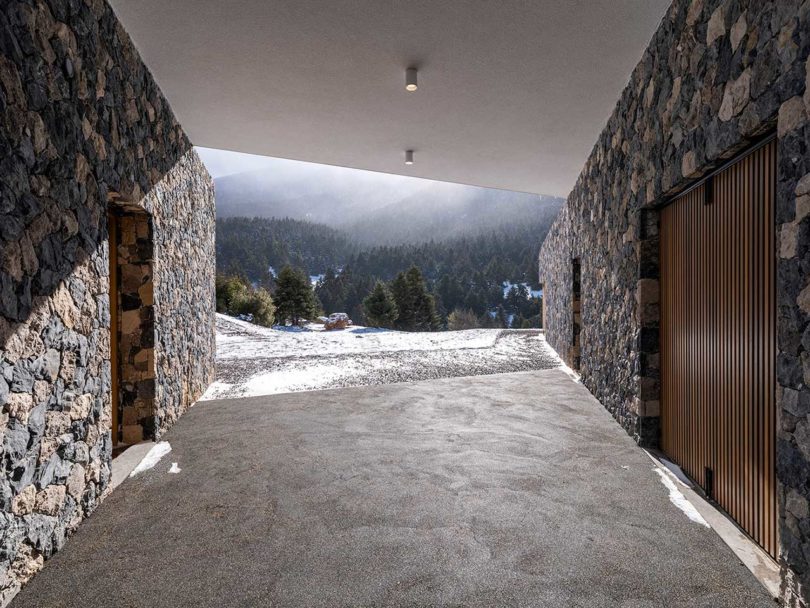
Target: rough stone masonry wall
x,y
184,290
717,75
82,124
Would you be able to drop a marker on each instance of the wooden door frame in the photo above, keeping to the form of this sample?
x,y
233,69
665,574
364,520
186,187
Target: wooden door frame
x,y
112,227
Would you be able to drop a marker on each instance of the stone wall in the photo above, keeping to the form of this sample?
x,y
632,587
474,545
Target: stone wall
x,y
717,76
83,125
185,300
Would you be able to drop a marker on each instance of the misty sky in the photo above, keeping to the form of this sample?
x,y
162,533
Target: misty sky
x,y
249,185
376,207
222,162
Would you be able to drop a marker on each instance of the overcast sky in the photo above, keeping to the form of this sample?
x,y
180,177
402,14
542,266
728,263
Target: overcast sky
x,y
222,162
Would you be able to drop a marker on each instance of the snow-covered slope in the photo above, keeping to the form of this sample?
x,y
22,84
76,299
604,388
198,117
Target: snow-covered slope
x,y
253,360
239,340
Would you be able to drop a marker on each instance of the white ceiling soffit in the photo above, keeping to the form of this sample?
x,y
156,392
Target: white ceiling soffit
x,y
512,93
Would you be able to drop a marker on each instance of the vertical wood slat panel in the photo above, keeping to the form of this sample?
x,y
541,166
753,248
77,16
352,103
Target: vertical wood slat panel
x,y
718,339
769,406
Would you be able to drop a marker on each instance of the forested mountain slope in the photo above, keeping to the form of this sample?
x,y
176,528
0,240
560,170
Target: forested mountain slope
x,y
467,272
419,218
249,246
377,212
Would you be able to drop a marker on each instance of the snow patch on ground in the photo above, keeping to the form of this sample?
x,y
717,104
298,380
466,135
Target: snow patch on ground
x,y
254,360
561,364
153,456
281,342
679,500
174,468
307,377
217,390
677,472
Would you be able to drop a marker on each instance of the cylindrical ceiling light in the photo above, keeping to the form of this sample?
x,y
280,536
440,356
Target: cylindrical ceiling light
x,y
410,79
408,157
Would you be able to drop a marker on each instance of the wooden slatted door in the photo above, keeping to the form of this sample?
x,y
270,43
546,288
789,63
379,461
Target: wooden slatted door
x,y
718,343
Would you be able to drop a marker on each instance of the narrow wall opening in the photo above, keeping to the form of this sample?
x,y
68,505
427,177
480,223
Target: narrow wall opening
x,y
132,322
576,310
543,306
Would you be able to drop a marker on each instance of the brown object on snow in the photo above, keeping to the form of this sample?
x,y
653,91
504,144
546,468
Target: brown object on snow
x,y
337,320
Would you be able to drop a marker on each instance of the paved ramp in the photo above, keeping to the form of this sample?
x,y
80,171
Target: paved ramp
x,y
505,490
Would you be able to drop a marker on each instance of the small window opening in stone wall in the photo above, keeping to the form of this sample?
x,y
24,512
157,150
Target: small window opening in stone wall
x,y
576,305
543,305
133,322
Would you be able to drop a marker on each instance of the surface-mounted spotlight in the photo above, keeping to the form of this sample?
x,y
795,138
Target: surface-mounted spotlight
x,y
410,79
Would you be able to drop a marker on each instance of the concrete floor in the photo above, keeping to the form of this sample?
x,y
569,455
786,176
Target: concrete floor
x,y
506,490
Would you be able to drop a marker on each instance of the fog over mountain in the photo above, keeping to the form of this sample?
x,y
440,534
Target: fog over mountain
x,y
373,208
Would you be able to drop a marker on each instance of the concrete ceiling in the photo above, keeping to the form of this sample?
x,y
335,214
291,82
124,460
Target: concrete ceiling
x,y
512,93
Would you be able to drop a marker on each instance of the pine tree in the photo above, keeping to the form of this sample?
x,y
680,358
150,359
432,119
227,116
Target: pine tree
x,y
516,298
425,305
331,291
380,308
402,299
417,308
294,297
